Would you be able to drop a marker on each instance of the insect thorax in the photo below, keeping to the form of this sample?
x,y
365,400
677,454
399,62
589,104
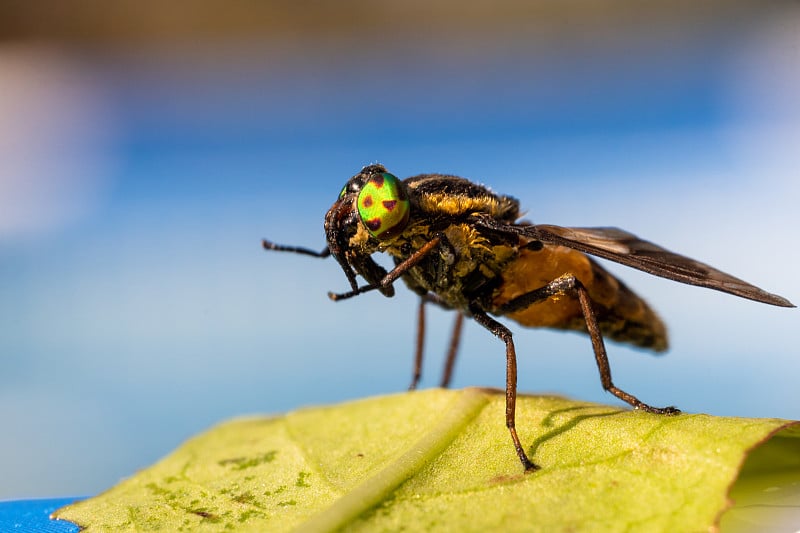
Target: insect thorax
x,y
437,195
465,269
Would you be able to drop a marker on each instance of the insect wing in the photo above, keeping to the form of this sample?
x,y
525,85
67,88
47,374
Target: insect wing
x,y
628,249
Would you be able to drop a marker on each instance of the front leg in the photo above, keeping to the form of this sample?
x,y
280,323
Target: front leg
x,y
396,272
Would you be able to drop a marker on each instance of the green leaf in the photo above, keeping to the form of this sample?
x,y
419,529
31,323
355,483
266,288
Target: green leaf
x,y
440,460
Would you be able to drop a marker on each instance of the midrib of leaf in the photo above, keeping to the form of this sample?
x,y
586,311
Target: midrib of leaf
x,y
380,486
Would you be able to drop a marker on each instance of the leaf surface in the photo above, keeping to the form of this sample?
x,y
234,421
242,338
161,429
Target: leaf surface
x,y
440,460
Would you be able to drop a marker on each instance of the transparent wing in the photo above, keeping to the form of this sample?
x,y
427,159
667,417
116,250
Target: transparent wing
x,y
628,249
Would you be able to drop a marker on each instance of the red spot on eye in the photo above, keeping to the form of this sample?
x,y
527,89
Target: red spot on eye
x,y
367,201
373,224
377,181
389,204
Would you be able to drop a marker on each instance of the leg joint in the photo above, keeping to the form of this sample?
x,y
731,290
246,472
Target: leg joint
x,y
566,283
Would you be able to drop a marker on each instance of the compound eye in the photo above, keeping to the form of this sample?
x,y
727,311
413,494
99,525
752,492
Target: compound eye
x,y
383,206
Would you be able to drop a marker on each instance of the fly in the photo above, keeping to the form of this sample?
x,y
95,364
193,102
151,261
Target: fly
x,y
462,247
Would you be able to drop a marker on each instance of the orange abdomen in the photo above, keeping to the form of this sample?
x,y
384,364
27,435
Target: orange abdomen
x,y
621,314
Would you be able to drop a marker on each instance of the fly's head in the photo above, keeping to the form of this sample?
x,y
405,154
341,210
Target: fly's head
x,y
372,206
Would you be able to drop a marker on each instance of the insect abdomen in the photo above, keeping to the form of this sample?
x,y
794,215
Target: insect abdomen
x,y
622,315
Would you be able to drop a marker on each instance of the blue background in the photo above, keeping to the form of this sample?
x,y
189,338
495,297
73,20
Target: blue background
x,y
33,516
138,177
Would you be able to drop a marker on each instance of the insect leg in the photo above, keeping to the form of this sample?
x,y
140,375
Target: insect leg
x,y
268,245
395,273
420,346
411,261
602,359
455,338
420,342
504,334
570,284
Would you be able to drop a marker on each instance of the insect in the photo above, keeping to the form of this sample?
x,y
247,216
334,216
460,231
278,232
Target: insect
x,y
462,247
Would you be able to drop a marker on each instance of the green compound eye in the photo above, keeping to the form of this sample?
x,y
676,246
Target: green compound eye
x,y
383,206
344,190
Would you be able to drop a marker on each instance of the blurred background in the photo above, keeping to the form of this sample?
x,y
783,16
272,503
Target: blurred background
x,y
146,148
